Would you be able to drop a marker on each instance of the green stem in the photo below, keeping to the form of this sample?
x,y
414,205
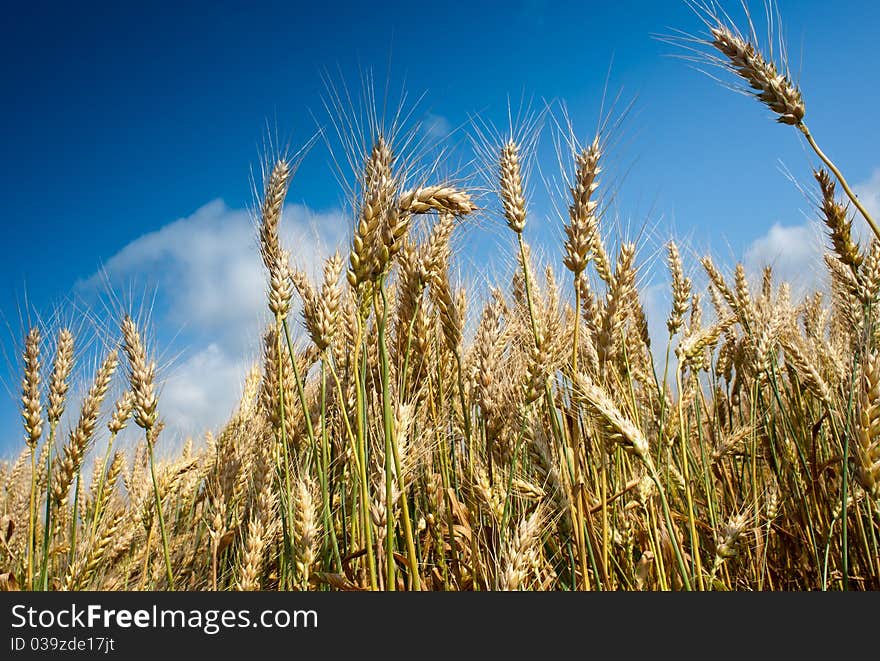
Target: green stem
x,y
679,558
99,497
44,562
159,513
525,268
366,522
32,524
299,385
390,583
74,517
286,499
325,473
409,334
576,329
685,465
392,453
465,411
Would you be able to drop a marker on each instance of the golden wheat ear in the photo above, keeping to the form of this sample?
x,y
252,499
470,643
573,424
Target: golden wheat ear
x,y
773,89
868,430
512,196
681,290
84,432
141,375
59,381
583,220
275,258
834,215
30,398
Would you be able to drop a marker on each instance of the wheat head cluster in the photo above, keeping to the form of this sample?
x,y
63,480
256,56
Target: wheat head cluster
x,y
395,449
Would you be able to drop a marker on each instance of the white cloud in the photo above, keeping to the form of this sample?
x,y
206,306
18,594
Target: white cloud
x,y
869,194
436,127
210,287
656,302
204,390
794,252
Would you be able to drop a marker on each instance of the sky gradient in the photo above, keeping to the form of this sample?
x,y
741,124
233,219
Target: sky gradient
x,y
121,120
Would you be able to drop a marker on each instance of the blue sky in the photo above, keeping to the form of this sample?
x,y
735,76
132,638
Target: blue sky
x,y
121,118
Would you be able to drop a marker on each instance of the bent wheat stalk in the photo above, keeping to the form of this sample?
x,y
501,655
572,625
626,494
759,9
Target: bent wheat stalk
x,y
779,94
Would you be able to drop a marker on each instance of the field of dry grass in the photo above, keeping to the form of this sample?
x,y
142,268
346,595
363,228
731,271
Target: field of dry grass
x,y
549,451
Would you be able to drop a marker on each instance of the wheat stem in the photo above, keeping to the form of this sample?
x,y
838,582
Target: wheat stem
x,y
837,173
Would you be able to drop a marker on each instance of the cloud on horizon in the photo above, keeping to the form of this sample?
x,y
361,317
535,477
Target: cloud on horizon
x,y
210,287
869,193
795,251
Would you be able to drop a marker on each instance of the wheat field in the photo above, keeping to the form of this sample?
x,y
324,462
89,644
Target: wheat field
x,y
391,447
